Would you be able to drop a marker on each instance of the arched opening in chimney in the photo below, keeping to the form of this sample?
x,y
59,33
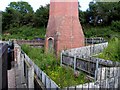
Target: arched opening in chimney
x,y
50,44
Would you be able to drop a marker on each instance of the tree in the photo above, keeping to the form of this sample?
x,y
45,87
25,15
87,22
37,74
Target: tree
x,y
115,26
17,14
41,16
25,10
103,13
0,21
82,15
22,7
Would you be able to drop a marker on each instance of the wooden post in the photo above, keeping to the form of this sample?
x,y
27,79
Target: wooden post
x,y
22,68
96,71
74,63
18,55
61,58
31,77
92,41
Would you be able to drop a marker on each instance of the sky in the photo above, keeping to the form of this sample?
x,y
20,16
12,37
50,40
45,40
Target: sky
x,y
36,3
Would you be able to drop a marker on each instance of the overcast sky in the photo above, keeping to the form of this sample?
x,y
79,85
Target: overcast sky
x,y
36,3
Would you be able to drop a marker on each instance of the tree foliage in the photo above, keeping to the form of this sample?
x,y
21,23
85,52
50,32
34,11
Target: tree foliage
x,y
17,14
22,7
103,13
21,13
41,16
115,26
98,14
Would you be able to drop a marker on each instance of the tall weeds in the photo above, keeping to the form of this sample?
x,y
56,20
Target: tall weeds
x,y
112,52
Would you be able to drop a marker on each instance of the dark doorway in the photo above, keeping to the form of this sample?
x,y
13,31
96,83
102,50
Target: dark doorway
x,y
50,45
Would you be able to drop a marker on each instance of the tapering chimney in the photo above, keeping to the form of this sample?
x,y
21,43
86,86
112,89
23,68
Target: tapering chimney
x,y
64,30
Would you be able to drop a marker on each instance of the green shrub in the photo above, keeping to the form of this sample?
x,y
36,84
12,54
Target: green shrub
x,y
115,26
25,32
112,52
105,32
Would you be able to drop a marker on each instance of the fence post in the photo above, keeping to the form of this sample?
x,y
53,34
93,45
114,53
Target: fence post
x,y
31,77
61,58
22,68
99,40
92,41
85,41
96,71
74,63
18,56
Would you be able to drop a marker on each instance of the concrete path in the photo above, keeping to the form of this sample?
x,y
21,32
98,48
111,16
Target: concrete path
x,y
11,78
14,78
20,83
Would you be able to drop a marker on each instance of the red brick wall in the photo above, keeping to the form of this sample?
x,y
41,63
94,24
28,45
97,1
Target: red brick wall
x,y
64,26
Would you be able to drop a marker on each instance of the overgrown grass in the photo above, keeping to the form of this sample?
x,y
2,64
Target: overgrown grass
x,y
27,32
24,32
104,32
50,65
112,52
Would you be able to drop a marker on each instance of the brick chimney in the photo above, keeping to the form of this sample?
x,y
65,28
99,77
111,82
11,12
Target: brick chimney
x,y
64,30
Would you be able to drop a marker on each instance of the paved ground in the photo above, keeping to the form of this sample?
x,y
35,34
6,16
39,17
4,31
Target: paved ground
x,y
11,78
15,78
20,81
